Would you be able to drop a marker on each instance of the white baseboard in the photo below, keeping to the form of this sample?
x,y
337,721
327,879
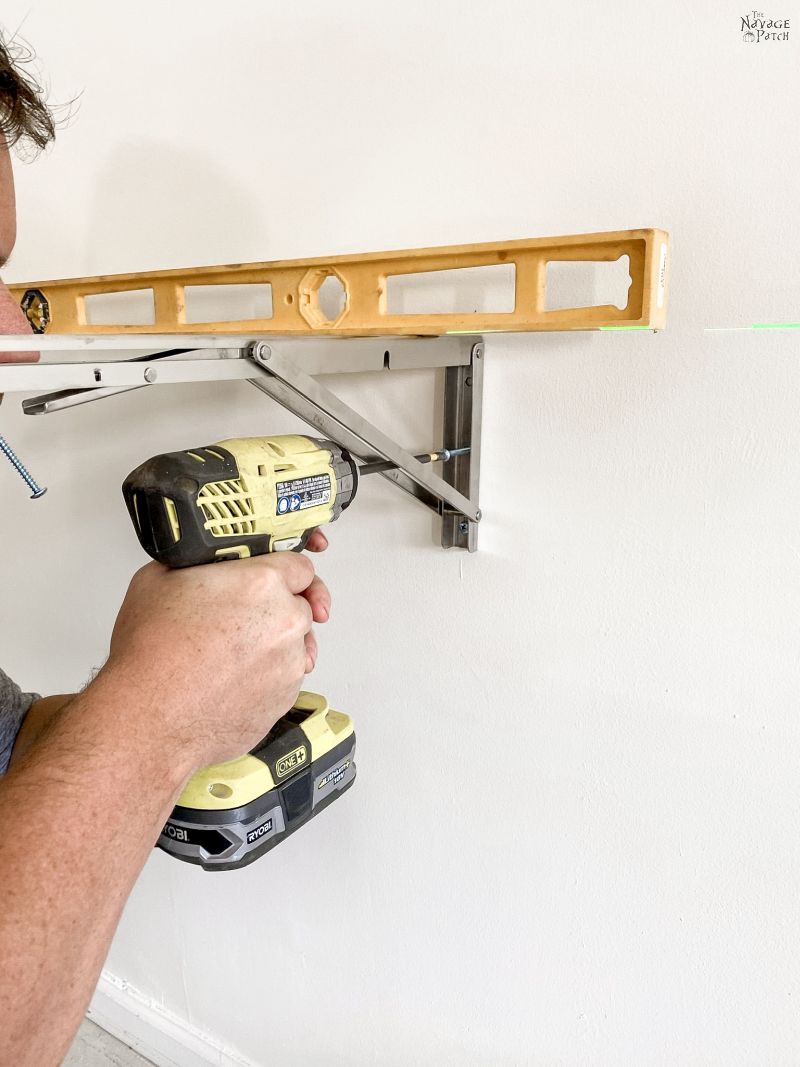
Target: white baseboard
x,y
154,1032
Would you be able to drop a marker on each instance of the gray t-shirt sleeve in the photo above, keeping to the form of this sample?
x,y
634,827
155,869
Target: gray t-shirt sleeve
x,y
14,705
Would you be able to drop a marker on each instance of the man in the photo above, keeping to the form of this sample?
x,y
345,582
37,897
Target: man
x,y
203,662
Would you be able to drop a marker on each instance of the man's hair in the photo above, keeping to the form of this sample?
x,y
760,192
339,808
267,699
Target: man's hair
x,y
25,118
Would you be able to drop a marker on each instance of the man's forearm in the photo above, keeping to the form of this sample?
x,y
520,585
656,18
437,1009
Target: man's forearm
x,y
99,780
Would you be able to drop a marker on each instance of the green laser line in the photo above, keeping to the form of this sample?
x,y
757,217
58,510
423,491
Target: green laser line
x,y
475,333
755,326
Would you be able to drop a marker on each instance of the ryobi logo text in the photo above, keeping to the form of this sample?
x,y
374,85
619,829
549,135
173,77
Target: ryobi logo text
x,y
254,835
177,833
291,761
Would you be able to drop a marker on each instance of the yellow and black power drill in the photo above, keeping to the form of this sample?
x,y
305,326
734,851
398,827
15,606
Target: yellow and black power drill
x,y
231,500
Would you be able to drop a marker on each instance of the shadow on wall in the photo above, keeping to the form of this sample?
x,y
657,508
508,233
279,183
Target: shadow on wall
x,y
155,207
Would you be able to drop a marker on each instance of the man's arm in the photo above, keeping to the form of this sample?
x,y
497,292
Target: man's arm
x,y
81,810
203,662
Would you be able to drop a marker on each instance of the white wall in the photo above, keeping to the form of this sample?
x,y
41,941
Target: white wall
x,y
574,835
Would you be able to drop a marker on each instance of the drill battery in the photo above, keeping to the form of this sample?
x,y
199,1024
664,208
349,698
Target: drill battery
x,y
230,814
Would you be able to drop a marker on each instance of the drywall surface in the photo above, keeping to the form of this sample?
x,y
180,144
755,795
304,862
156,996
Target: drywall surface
x,y
574,835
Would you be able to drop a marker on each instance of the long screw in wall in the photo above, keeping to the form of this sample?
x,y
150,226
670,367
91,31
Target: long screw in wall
x,y
36,489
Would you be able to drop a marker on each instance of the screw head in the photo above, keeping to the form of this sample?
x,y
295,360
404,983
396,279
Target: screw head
x,y
264,352
478,351
478,515
39,492
463,526
150,374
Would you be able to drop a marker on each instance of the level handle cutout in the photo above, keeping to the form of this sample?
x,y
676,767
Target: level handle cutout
x,y
459,291
134,307
227,303
587,283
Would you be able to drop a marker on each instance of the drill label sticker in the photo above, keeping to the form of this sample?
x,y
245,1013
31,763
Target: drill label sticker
x,y
335,776
259,831
291,761
301,493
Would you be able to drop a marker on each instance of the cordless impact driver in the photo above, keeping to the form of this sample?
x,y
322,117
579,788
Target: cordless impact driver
x,y
239,498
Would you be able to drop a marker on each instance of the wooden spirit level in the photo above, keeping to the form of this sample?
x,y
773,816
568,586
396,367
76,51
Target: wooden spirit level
x,y
364,307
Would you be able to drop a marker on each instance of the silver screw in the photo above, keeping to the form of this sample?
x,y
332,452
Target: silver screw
x,y
150,374
478,515
463,526
478,351
11,456
264,352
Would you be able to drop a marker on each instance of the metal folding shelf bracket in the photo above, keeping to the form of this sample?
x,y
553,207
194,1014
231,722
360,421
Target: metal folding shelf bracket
x,y
285,368
454,496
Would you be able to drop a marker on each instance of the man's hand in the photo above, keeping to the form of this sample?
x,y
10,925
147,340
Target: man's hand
x,y
45,711
214,655
317,542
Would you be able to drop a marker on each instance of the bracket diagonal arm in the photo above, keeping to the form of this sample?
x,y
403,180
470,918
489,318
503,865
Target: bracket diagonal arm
x,y
324,409
288,398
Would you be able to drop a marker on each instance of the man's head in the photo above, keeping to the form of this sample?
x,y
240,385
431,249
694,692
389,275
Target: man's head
x,y
25,118
25,123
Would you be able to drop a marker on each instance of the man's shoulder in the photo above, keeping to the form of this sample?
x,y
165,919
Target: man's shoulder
x,y
12,695
14,706
9,690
